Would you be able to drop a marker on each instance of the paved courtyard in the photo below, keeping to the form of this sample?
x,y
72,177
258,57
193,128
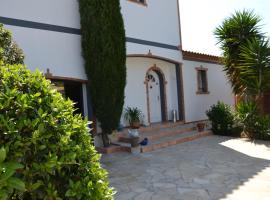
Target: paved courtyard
x,y
209,168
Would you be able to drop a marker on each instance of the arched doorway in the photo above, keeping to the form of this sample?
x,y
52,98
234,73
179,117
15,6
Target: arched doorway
x,y
156,95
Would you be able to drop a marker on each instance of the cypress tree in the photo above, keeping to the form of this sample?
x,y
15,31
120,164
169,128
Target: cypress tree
x,y
104,52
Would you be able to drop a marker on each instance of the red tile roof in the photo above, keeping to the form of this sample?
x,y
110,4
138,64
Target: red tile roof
x,y
189,55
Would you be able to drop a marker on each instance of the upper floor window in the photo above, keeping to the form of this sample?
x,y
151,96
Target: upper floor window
x,y
202,82
142,2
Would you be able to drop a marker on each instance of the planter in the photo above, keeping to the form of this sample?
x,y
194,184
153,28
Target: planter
x,y
200,126
135,125
133,133
134,141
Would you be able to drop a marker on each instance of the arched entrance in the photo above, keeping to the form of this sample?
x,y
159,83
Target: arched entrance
x,y
156,95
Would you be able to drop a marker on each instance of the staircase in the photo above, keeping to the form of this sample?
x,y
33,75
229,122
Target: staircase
x,y
161,136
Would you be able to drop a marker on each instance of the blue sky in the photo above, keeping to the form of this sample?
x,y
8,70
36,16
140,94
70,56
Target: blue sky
x,y
199,19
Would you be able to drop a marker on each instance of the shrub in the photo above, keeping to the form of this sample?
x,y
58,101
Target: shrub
x,y
222,119
10,52
104,52
255,126
9,183
260,128
39,130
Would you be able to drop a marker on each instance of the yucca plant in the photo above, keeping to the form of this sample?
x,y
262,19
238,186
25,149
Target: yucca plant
x,y
233,33
254,67
133,116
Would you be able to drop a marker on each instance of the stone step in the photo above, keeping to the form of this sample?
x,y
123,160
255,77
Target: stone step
x,y
157,133
173,140
113,149
152,136
122,144
155,127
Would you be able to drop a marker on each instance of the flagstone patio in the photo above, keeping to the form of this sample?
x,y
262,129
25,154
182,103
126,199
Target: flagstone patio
x,y
205,169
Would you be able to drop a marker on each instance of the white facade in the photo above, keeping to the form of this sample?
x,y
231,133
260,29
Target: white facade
x,y
58,51
157,22
49,34
218,87
136,92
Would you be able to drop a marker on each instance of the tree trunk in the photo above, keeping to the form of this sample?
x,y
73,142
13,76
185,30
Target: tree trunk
x,y
259,103
105,139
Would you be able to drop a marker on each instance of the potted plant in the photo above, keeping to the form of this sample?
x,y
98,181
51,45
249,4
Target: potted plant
x,y
133,116
200,126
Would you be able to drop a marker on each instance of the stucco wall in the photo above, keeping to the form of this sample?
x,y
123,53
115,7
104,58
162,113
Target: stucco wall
x,y
218,86
158,21
136,89
60,52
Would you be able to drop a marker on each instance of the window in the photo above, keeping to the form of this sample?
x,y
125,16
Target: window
x,y
202,81
142,2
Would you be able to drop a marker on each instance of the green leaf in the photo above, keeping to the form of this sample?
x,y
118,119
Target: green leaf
x,y
7,174
70,193
36,185
3,154
16,184
3,195
37,94
13,165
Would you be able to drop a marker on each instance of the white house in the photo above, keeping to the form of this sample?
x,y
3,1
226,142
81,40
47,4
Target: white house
x,y
161,77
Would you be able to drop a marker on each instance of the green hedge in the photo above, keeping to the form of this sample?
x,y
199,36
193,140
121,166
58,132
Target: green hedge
x,y
39,131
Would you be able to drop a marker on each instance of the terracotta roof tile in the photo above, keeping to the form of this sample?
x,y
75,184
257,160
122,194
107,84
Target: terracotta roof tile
x,y
194,56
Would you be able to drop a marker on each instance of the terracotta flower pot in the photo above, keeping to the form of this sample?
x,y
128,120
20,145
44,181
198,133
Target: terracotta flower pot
x,y
135,125
134,141
200,126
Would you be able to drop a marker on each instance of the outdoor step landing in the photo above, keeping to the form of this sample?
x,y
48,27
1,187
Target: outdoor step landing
x,y
152,136
174,140
156,133
156,127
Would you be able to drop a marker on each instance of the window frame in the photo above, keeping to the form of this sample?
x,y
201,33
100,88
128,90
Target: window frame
x,y
198,70
138,2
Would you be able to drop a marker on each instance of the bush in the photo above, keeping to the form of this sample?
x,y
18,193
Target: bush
x,y
222,119
104,52
39,130
255,126
260,128
9,183
10,53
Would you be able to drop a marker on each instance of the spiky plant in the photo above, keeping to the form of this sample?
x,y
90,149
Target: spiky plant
x,y
254,67
233,33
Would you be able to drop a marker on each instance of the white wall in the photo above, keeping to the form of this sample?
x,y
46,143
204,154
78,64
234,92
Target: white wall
x,y
136,89
218,86
57,12
60,52
156,22
174,55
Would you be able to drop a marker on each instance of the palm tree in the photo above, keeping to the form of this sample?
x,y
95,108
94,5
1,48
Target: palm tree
x,y
234,32
254,68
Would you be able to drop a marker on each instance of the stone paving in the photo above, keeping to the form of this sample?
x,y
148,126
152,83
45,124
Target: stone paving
x,y
206,169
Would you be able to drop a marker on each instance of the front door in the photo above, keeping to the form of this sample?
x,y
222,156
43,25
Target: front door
x,y
73,91
154,97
